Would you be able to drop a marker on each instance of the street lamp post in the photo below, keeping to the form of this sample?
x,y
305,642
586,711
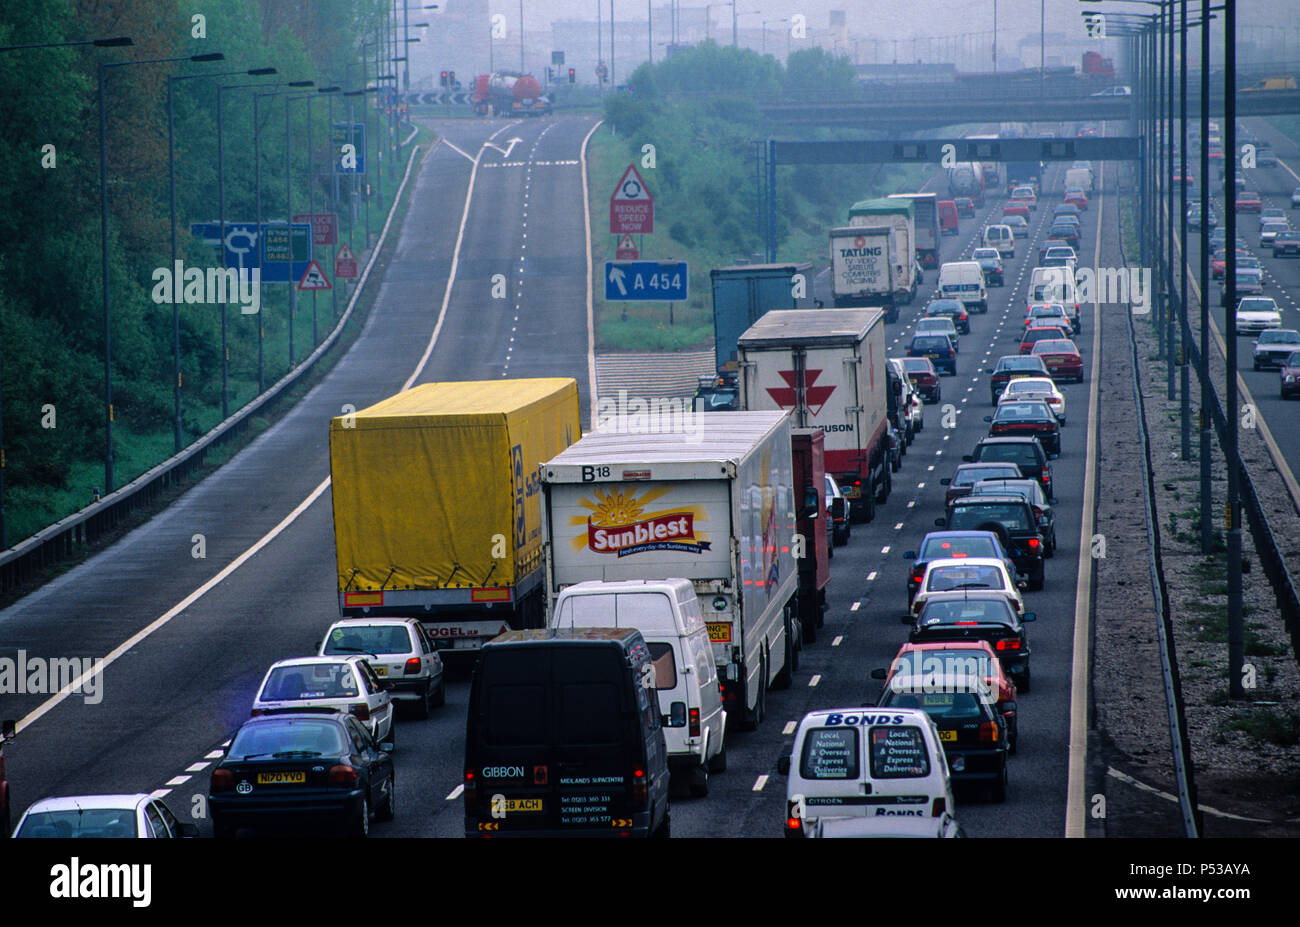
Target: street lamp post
x,y
765,22
103,69
1236,631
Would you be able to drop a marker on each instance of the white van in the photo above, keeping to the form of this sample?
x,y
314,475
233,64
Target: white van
x,y
1079,177
1002,238
1056,285
878,772
668,615
964,280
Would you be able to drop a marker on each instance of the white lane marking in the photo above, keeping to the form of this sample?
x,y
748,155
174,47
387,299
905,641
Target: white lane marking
x,y
214,755
467,157
931,467
911,504
871,576
177,780
197,767
898,527
838,638
160,793
790,727
885,549
854,607
586,224
760,782
814,681
455,793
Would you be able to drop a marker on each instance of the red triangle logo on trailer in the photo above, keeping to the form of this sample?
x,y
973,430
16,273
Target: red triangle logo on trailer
x,y
314,278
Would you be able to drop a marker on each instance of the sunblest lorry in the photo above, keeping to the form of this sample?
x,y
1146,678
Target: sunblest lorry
x,y
714,505
827,368
437,510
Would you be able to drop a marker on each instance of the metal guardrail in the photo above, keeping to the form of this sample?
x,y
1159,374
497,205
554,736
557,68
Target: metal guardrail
x,y
1184,770
68,536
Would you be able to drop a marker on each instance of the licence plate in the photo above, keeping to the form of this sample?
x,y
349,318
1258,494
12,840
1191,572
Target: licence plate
x,y
948,735
466,643
523,804
720,631
281,778
380,670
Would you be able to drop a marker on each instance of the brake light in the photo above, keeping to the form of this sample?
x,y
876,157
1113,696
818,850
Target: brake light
x,y
695,722
640,790
962,624
939,807
412,667
1009,643
471,789
1033,543
222,779
360,710
988,732
917,577
343,775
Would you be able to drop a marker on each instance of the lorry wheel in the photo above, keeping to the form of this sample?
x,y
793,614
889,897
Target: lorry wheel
x,y
869,507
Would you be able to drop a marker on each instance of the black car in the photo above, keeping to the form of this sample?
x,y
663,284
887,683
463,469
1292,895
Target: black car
x,y
953,309
938,348
1026,451
1032,490
980,616
1011,367
1065,209
1065,232
968,474
1011,518
1031,417
302,763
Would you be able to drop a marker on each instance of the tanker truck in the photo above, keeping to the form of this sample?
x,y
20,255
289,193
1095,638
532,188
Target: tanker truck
x,y
509,93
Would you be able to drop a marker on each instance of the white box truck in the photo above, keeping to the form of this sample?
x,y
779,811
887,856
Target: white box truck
x,y
866,270
828,368
715,506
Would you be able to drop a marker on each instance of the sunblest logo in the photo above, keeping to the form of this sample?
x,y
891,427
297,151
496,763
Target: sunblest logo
x,y
673,531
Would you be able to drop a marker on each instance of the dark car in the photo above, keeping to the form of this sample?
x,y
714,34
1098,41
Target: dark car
x,y
1286,244
946,545
1036,334
302,763
968,474
1065,209
925,379
1290,376
1274,347
1011,518
1033,492
1031,417
1011,367
1249,283
938,348
6,802
991,265
965,207
1065,232
953,309
1026,452
979,616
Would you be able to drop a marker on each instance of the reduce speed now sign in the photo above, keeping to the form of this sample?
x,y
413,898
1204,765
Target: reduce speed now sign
x,y
631,207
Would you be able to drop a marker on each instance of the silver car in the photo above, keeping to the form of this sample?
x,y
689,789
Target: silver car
x,y
400,653
138,815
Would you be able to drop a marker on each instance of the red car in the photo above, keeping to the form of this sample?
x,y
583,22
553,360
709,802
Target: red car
x,y
1077,197
1219,262
1061,357
1016,209
955,658
1248,202
925,379
1034,335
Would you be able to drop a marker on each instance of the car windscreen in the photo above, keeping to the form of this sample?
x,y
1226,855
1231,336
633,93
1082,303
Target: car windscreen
x,y
374,639
309,681
898,752
966,576
931,342
88,822
970,517
287,735
830,753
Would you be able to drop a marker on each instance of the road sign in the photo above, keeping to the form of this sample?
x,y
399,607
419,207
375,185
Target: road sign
x,y
626,250
557,57
278,247
631,207
325,226
646,281
354,134
314,278
345,264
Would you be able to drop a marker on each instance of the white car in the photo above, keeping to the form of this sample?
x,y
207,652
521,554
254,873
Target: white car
x,y
951,578
1257,314
1268,230
1031,388
1295,198
343,683
138,815
399,651
1272,212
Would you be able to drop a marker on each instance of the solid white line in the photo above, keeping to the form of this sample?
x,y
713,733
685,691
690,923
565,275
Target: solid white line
x,y
455,793
1076,806
467,157
1124,777
760,782
591,322
814,680
790,727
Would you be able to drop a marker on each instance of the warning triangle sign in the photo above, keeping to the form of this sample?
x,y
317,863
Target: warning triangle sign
x,y
344,254
632,187
314,278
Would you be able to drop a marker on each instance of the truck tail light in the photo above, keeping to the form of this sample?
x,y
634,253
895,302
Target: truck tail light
x,y
640,790
361,711
222,779
793,824
343,775
988,732
695,722
471,789
412,667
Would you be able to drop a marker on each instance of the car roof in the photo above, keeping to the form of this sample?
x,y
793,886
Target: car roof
x,y
377,620
941,562
327,658
1008,439
989,499
123,801
1035,382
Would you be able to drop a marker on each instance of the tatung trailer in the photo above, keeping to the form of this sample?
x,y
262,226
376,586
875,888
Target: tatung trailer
x,y
715,505
437,509
828,368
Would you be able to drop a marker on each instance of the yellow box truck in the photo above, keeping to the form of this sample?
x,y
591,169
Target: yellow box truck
x,y
436,504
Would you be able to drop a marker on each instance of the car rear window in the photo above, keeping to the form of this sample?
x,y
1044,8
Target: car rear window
x,y
982,610
621,610
284,734
970,517
309,681
1020,363
948,578
830,753
943,548
374,639
926,342
90,822
898,752
941,706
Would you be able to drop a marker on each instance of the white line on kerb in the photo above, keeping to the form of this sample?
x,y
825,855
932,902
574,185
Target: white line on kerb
x,y
455,793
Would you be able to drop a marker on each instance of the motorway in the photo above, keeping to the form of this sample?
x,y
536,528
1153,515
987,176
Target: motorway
x,y
186,666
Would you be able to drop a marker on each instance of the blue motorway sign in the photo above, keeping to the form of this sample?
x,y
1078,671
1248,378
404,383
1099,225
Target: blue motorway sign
x,y
641,281
271,254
